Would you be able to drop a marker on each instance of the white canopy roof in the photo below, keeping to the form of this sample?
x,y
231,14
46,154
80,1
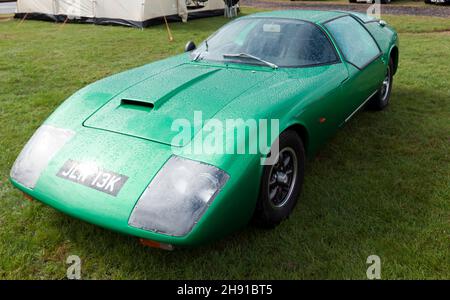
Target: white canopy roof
x,y
128,12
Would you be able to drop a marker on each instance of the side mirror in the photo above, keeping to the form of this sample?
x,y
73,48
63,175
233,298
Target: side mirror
x,y
189,46
382,23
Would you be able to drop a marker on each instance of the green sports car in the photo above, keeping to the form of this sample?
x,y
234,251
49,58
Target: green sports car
x,y
121,153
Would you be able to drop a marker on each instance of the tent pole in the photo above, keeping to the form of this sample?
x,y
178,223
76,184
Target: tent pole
x,y
142,14
167,24
55,10
23,19
64,23
94,12
168,30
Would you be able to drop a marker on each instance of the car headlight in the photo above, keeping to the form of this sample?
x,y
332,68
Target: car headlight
x,y
37,153
177,197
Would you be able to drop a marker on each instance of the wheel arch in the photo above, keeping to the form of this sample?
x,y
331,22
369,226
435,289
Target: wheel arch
x,y
302,132
394,54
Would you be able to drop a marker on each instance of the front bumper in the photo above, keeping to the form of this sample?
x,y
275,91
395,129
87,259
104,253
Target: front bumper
x,y
140,160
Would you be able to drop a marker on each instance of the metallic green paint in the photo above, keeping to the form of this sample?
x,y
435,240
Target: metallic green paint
x,y
137,143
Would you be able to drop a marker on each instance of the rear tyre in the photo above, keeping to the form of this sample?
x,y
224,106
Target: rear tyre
x,y
381,99
282,182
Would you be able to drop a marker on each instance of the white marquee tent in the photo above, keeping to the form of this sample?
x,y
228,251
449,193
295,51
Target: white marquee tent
x,y
138,13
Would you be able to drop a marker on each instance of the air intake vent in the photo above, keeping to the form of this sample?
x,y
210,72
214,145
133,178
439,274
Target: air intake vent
x,y
138,103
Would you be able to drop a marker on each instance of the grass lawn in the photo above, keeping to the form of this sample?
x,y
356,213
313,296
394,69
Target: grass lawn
x,y
393,2
381,186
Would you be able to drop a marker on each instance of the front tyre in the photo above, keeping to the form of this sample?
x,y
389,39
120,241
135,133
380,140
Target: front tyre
x,y
282,182
381,99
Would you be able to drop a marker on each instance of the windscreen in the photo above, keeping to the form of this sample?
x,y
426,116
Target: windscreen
x,y
283,42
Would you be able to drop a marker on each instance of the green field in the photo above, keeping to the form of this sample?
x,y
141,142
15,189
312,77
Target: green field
x,y
381,186
393,2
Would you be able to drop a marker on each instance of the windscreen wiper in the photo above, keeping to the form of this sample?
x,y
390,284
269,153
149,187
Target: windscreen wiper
x,y
198,56
245,55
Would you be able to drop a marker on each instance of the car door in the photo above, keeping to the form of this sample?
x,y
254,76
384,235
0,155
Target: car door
x,y
363,59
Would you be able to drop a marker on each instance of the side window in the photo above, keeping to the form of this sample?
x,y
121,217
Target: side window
x,y
356,44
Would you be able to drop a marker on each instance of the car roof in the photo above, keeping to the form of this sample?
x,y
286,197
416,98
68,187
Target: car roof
x,y
314,16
